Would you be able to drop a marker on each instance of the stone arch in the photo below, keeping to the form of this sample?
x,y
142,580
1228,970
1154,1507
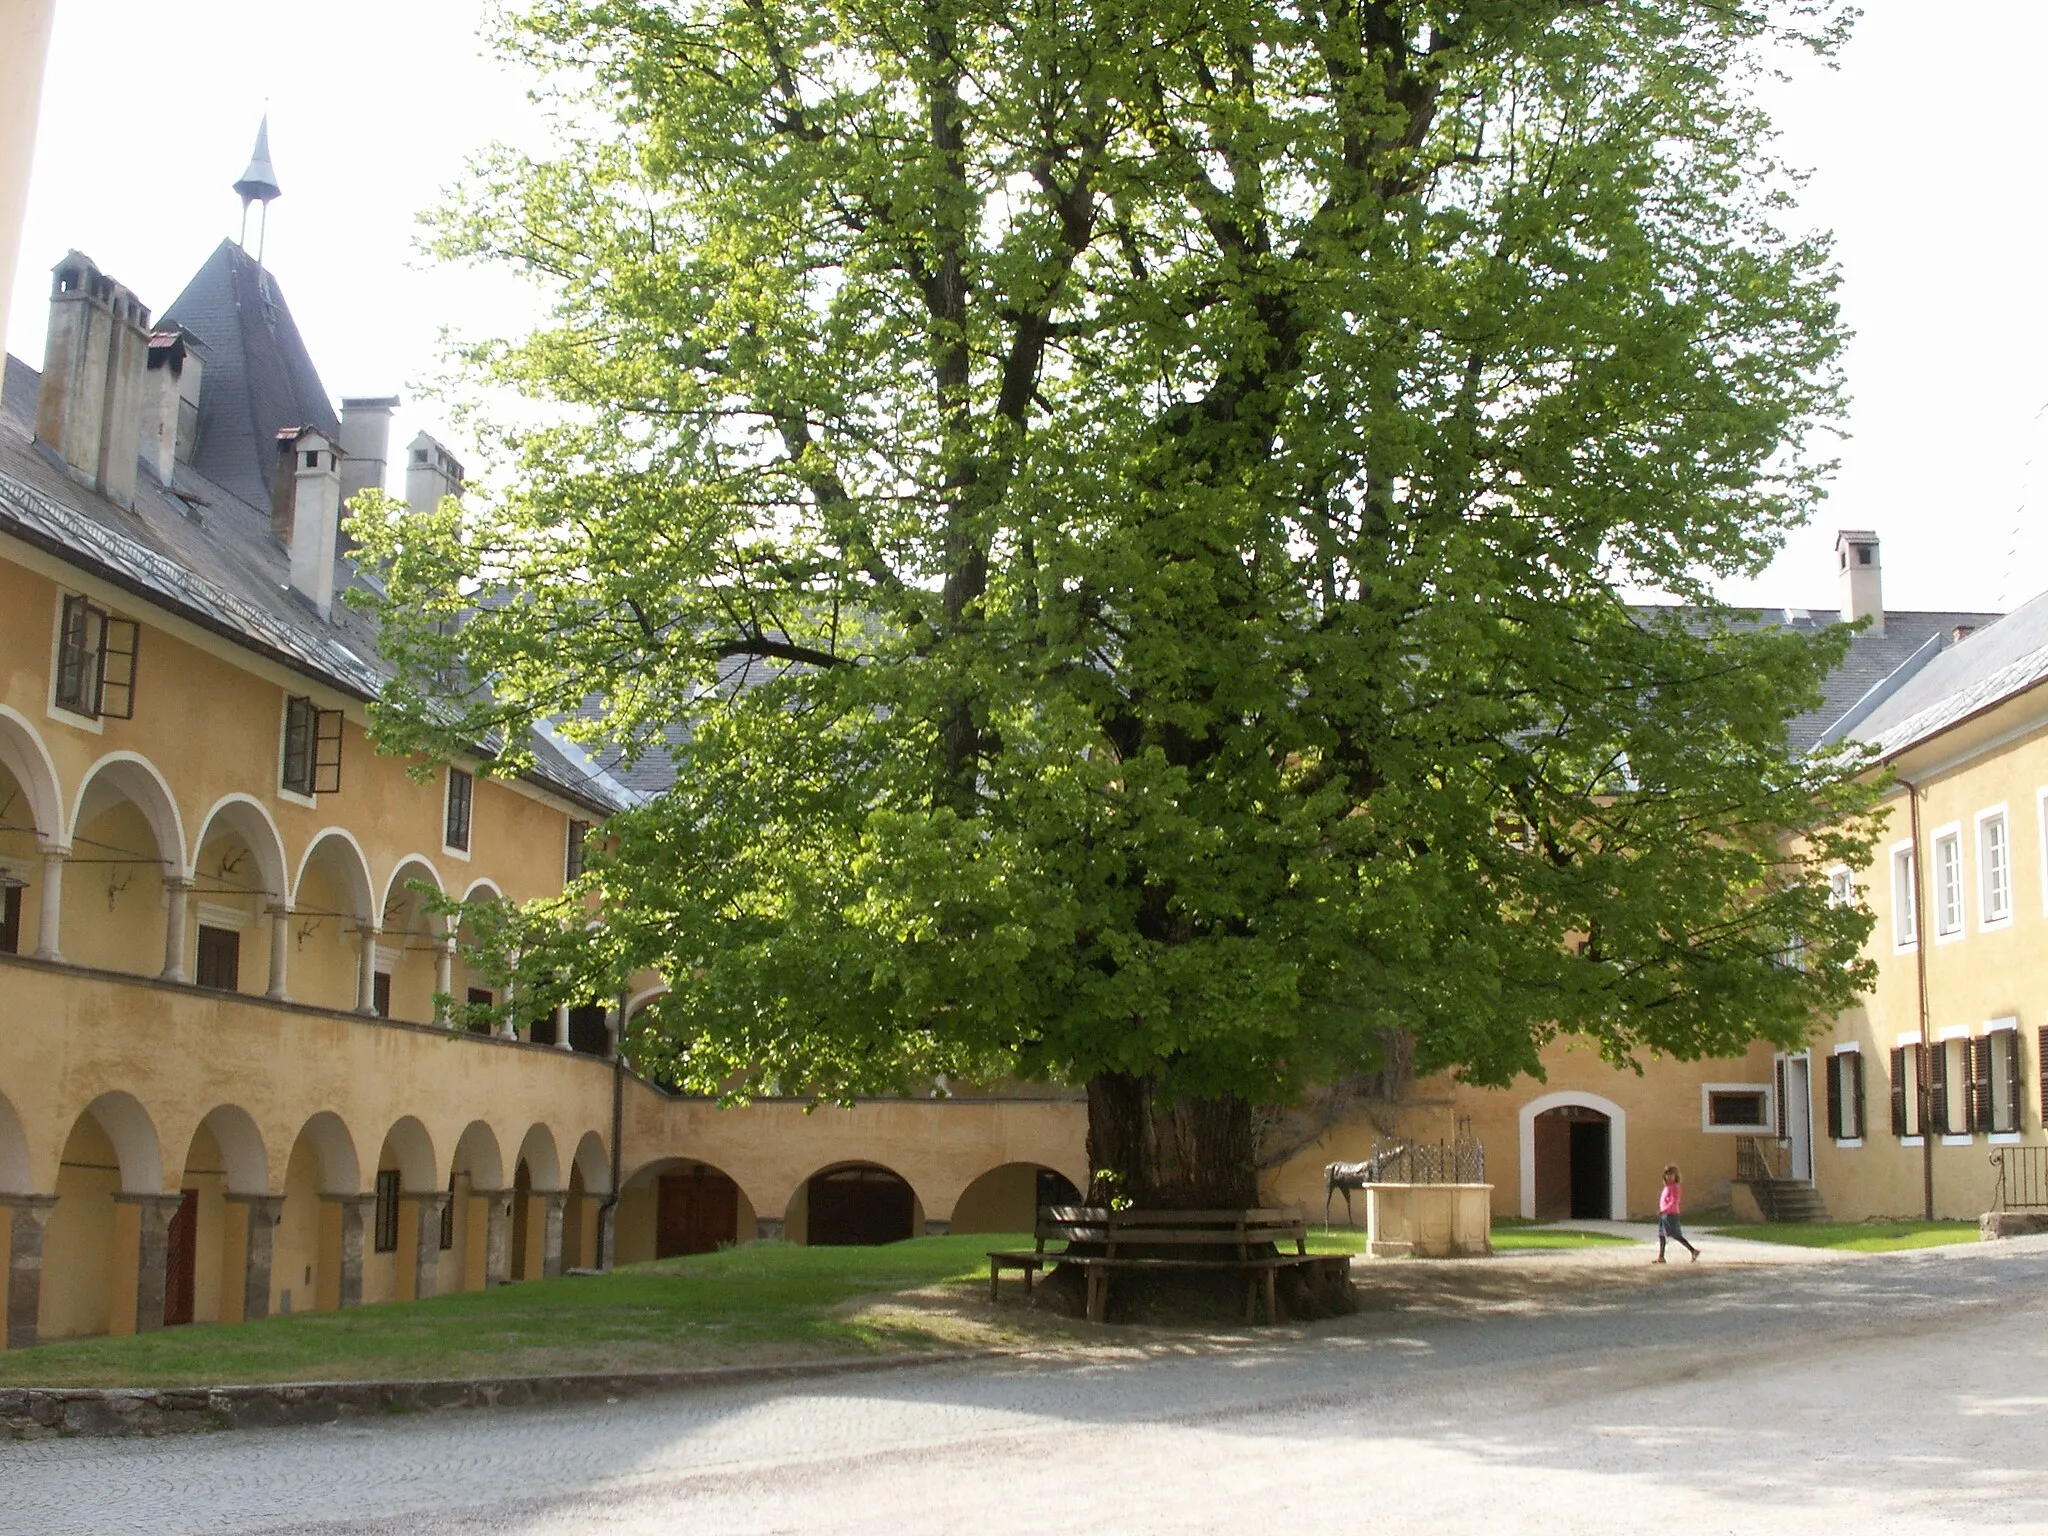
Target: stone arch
x,y
672,1206
132,777
412,867
642,998
337,847
341,1171
23,754
17,1172
543,1163
244,1159
476,1153
413,1150
1006,1198
1617,1145
488,886
250,821
854,1202
410,941
133,1133
591,1163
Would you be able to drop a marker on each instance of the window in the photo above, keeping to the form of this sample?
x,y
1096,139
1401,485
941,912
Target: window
x,y
1994,860
1733,1108
460,788
1845,1096
1948,884
587,1031
1841,888
2001,1050
312,748
572,863
380,993
95,661
220,958
1948,1087
482,997
386,1237
448,1217
10,919
1905,899
1906,1092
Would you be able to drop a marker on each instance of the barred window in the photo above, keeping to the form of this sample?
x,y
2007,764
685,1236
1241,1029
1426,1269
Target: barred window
x,y
460,791
572,863
387,1211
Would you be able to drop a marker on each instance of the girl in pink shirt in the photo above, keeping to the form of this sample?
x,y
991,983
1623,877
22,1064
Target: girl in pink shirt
x,y
1667,1214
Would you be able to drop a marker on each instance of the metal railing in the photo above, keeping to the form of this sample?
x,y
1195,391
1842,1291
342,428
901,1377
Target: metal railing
x,y
1753,1162
1462,1161
2022,1179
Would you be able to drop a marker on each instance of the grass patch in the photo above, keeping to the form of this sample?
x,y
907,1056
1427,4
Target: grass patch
x,y
1854,1236
764,1302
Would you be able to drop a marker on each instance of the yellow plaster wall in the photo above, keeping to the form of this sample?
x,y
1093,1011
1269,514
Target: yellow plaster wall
x,y
78,1238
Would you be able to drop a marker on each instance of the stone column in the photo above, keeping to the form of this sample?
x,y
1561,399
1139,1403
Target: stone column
x,y
355,1214
280,948
562,1026
612,1029
25,1264
768,1228
509,1030
262,1212
555,1203
934,1228
607,1233
152,1255
366,971
497,1234
51,904
444,980
177,903
426,1264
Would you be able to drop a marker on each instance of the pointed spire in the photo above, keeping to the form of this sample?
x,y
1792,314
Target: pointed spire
x,y
259,182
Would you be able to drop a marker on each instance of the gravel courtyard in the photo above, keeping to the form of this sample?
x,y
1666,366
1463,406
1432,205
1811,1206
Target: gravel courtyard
x,y
1900,1392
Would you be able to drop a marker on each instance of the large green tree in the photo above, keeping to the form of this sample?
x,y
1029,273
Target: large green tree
x,y
1122,515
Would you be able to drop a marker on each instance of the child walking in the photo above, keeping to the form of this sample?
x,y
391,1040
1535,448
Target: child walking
x,y
1668,1205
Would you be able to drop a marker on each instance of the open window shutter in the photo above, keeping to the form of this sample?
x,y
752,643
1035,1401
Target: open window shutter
x,y
118,641
327,752
1855,1060
1980,1084
1783,1127
1835,1097
1936,1057
2041,1066
2007,1115
1899,1091
298,745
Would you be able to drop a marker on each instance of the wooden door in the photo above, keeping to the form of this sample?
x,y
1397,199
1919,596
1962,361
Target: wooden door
x,y
181,1261
696,1212
858,1206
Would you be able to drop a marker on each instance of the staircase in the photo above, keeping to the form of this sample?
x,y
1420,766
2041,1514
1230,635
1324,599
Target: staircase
x,y
1778,1198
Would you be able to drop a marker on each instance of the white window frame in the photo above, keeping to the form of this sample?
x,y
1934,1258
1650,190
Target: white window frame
x,y
289,796
1955,1082
1986,819
1841,886
1769,1092
1906,894
2010,1024
1851,1143
1950,836
1909,1040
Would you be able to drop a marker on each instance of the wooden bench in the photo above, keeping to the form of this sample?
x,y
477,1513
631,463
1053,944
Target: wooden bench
x,y
1149,1231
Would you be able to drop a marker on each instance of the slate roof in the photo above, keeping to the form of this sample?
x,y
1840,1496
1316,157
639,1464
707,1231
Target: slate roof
x,y
257,375
206,554
2001,659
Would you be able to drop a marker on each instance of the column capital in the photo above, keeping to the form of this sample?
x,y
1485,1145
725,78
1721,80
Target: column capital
x,y
50,848
35,1205
426,1196
358,1199
178,880
265,1204
170,1200
556,1198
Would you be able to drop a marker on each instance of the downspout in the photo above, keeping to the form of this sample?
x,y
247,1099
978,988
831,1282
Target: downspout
x,y
1922,1091
607,1213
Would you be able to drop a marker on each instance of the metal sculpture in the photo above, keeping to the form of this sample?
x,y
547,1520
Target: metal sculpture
x,y
1350,1176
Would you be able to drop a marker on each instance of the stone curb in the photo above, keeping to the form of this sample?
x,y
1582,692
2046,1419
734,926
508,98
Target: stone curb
x,y
37,1413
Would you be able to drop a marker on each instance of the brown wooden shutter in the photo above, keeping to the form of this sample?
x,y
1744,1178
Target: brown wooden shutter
x,y
1978,1054
1940,1113
1856,1091
2041,1067
2006,1116
1835,1098
1783,1127
1899,1091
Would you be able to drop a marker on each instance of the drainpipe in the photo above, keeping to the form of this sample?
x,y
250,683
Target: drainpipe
x,y
1921,1089
608,1211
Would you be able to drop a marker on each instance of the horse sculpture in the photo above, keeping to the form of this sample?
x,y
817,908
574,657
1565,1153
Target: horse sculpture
x,y
1350,1176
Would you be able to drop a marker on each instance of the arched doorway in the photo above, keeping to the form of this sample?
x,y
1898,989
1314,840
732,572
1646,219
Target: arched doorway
x,y
1574,1156
1006,1199
859,1204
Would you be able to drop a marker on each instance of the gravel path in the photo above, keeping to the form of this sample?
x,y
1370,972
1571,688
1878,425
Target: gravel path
x,y
1898,1393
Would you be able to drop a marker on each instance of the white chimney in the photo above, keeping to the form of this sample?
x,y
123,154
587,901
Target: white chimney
x,y
431,472
365,444
1862,578
306,511
170,402
90,406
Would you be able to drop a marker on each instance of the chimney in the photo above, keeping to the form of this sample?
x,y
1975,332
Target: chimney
x,y
305,511
170,401
365,446
431,472
1862,578
90,408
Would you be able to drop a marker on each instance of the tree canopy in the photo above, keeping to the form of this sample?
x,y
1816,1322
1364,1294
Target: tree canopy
x,y
1124,517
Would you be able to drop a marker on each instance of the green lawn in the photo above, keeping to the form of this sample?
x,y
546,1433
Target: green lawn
x,y
1854,1236
762,1302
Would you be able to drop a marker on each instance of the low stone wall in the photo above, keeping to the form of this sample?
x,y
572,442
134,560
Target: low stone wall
x,y
1996,1224
1431,1221
35,1413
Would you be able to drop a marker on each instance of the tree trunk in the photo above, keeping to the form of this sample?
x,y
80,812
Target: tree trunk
x,y
1181,1154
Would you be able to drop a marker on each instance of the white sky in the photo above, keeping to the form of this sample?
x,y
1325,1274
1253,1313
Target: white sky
x,y
1928,170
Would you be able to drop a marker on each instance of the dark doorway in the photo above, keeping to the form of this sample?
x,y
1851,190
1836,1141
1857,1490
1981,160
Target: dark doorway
x,y
860,1205
522,1188
1571,1155
696,1212
181,1260
1055,1188
220,958
587,1032
1590,1185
